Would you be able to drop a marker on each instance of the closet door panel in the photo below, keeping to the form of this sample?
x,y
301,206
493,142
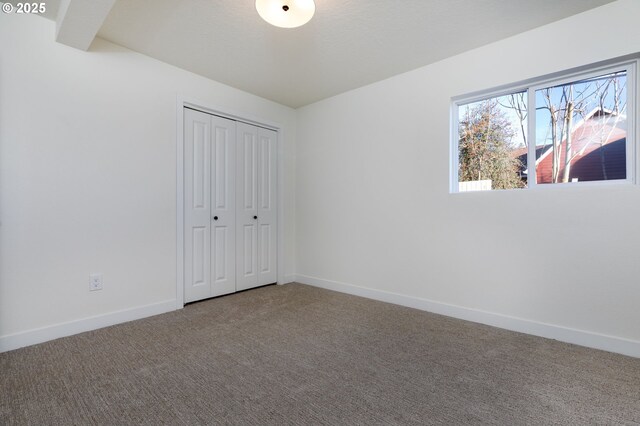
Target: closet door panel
x,y
267,206
197,205
246,207
223,237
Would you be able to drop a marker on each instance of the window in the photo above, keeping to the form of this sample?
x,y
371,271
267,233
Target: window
x,y
492,135
574,128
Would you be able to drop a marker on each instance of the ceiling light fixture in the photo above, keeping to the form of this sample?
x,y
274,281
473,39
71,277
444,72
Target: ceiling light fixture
x,y
286,13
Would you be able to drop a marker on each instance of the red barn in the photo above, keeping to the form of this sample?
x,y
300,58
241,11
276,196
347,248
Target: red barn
x,y
598,151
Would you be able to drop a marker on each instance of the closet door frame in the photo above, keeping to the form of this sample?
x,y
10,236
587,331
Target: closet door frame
x,y
180,196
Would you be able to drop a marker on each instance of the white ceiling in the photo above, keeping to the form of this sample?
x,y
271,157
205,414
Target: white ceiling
x,y
347,44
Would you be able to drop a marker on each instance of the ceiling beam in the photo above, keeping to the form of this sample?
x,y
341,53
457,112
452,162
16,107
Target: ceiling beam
x,y
79,21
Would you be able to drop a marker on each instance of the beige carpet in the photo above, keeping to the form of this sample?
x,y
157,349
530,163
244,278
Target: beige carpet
x,y
300,355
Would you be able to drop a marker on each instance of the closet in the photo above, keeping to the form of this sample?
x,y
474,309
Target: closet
x,y
230,214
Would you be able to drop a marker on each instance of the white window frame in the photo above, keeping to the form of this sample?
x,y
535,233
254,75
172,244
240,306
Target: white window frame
x,y
629,64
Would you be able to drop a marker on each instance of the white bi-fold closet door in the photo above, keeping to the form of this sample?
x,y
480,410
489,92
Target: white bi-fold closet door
x,y
230,210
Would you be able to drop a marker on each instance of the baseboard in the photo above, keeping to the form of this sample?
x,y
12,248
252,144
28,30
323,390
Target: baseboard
x,y
550,331
288,279
39,335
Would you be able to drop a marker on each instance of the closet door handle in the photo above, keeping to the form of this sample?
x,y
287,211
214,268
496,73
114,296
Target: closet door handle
x,y
255,217
215,218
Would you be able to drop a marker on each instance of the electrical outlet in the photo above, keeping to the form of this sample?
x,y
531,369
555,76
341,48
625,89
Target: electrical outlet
x,y
95,281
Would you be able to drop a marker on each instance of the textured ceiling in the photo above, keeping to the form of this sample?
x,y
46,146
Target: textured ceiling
x,y
51,8
347,44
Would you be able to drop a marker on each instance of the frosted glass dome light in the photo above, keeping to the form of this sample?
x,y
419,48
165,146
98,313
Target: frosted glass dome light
x,y
286,13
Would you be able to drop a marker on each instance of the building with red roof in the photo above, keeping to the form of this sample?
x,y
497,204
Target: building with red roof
x,y
597,151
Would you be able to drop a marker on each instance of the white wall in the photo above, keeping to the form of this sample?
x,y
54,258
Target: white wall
x,y
374,215
88,179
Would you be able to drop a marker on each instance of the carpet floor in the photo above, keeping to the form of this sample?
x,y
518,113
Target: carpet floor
x,y
299,355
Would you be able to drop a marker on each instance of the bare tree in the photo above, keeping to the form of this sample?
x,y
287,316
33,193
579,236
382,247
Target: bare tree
x,y
518,103
568,126
565,104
